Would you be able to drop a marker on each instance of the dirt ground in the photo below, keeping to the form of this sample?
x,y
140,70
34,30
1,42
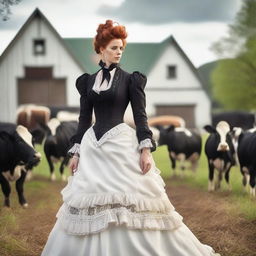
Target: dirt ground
x,y
206,214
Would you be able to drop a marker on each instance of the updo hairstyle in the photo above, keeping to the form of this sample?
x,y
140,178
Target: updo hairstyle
x,y
108,31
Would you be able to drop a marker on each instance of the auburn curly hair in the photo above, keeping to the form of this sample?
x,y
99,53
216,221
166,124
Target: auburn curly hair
x,y
108,31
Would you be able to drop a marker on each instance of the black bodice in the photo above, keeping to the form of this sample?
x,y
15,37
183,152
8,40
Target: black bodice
x,y
110,105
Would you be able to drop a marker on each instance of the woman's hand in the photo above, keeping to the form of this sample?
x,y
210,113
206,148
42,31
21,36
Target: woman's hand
x,y
74,163
145,160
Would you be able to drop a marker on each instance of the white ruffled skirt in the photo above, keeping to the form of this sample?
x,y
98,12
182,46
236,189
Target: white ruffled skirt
x,y
111,209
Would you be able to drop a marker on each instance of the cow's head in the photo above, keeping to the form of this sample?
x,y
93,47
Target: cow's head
x,y
25,150
163,137
39,133
222,134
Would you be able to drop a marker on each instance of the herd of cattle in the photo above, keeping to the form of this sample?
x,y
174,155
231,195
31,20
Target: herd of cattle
x,y
226,146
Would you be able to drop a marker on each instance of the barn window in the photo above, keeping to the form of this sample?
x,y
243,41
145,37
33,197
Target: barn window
x,y
39,47
171,71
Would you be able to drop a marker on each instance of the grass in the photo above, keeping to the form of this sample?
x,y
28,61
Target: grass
x,y
240,201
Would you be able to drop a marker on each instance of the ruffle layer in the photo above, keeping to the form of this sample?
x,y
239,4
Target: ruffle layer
x,y
74,150
85,224
145,144
81,201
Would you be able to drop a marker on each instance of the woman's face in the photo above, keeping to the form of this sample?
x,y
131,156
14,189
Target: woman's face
x,y
113,52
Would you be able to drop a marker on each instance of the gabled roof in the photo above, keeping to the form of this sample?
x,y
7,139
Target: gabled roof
x,y
37,14
137,56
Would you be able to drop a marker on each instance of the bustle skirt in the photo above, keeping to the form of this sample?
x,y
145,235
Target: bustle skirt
x,y
111,209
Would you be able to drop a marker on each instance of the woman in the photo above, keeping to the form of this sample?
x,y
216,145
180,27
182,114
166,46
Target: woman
x,y
115,203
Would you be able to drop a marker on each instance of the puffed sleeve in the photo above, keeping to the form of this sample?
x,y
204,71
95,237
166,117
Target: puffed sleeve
x,y
138,103
85,116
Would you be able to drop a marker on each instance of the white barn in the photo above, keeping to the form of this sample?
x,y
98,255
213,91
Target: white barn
x,y
40,67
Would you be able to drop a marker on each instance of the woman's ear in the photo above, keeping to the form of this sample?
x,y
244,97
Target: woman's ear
x,y
101,50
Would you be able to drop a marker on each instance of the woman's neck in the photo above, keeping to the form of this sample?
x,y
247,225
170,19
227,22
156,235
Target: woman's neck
x,y
107,64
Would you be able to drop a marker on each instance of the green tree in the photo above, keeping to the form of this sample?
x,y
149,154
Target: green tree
x,y
234,79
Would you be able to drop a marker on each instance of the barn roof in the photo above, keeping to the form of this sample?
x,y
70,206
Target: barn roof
x,y
37,14
137,56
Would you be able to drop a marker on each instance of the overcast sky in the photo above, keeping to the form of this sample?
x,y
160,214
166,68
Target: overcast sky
x,y
195,24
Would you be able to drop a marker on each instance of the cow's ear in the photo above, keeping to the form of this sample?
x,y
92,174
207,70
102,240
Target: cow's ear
x,y
210,129
236,132
170,128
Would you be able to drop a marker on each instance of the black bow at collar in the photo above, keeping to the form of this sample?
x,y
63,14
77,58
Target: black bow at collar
x,y
106,71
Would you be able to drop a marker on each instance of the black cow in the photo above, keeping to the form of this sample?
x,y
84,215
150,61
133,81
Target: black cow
x,y
245,120
246,156
57,144
183,144
220,153
17,156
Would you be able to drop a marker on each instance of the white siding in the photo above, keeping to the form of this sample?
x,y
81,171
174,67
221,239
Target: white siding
x,y
185,77
21,55
184,90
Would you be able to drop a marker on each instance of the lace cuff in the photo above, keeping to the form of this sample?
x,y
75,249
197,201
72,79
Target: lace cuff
x,y
75,150
145,144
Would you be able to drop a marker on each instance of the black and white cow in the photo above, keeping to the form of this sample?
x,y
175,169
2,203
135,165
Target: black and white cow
x,y
57,144
220,153
183,145
246,148
17,156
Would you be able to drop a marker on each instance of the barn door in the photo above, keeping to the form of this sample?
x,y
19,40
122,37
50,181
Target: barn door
x,y
39,87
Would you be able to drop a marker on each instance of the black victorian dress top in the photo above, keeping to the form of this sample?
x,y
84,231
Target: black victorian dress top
x,y
110,208
110,105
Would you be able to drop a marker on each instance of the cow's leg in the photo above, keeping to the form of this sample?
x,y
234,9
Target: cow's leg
x,y
227,177
252,172
173,162
62,166
194,161
50,163
6,188
19,189
29,175
246,177
211,186
244,180
219,179
182,158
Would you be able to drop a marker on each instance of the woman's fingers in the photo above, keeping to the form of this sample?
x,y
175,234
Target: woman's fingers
x,y
145,163
73,165
146,168
141,164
